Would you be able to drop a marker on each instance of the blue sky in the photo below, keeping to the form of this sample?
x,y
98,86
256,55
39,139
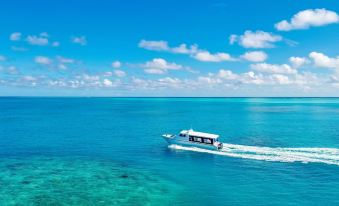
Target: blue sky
x,y
169,48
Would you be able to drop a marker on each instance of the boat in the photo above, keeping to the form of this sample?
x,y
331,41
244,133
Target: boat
x,y
193,138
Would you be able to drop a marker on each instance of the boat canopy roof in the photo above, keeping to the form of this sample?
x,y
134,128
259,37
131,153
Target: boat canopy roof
x,y
199,134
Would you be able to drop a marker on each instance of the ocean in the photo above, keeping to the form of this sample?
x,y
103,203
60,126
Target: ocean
x,y
109,151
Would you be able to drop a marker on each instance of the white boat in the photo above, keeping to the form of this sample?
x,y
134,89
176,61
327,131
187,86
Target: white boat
x,y
192,138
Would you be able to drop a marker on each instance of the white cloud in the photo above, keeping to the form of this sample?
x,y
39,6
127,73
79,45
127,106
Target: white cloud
x,y
108,74
12,70
154,45
297,62
252,78
183,49
89,77
321,60
83,81
62,67
9,70
19,49
29,78
206,56
227,74
43,60
192,50
273,68
162,83
160,66
233,38
79,40
163,46
308,18
257,39
16,36
40,40
280,79
119,73
107,83
169,82
58,62
65,60
227,77
255,56
116,64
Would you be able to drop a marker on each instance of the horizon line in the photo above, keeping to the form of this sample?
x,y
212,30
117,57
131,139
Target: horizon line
x,y
169,97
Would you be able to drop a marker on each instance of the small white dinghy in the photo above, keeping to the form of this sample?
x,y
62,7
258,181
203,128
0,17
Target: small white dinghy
x,y
194,139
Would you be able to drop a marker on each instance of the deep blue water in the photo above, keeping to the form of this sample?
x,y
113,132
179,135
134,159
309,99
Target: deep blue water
x,y
108,151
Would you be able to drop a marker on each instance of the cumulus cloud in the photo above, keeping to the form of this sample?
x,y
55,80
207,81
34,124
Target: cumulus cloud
x,y
170,80
22,81
206,56
161,83
257,39
119,73
107,83
12,70
273,68
9,70
154,45
82,81
40,40
233,38
184,49
116,64
29,78
16,36
81,40
227,74
163,46
297,62
160,66
43,60
321,60
308,18
192,50
59,62
19,49
255,56
227,77
216,81
65,60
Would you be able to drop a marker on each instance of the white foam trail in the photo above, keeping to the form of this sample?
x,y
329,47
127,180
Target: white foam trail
x,y
304,155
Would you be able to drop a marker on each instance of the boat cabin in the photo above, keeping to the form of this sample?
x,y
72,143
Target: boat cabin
x,y
199,137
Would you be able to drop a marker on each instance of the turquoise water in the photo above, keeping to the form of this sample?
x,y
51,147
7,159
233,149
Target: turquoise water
x,y
108,151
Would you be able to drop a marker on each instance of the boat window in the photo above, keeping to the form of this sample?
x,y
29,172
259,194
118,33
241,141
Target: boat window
x,y
197,139
181,135
208,141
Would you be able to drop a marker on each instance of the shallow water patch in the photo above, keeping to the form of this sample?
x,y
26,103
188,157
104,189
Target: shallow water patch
x,y
80,181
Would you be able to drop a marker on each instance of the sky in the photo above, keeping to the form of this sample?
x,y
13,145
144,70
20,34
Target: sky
x,y
169,48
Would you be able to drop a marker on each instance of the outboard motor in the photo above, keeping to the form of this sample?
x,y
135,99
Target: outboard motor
x,y
220,146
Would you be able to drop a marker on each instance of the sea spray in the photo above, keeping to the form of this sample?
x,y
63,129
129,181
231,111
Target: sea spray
x,y
304,155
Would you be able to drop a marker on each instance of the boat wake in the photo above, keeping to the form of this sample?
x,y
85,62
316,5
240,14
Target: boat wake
x,y
278,154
